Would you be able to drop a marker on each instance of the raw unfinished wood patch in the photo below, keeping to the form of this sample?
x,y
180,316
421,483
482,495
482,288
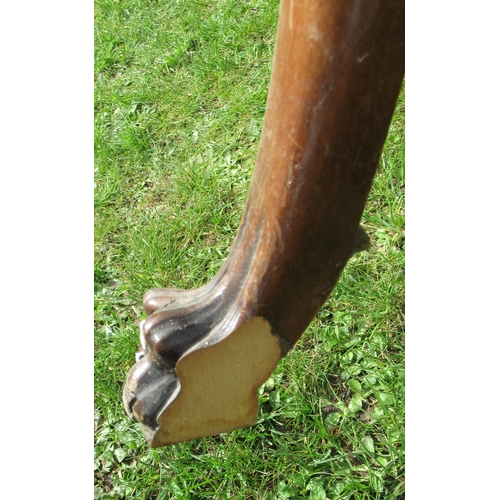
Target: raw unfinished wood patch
x,y
219,385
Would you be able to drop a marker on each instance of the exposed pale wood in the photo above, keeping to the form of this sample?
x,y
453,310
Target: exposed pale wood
x,y
221,382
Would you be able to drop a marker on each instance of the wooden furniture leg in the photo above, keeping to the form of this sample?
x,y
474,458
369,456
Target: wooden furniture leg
x,y
338,69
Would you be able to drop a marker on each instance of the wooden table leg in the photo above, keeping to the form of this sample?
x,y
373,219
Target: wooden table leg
x,y
338,69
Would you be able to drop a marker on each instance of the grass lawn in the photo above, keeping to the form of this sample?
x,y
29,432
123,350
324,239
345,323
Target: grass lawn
x,y
180,94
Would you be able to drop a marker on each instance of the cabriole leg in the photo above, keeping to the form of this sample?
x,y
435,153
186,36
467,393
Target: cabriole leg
x,y
338,68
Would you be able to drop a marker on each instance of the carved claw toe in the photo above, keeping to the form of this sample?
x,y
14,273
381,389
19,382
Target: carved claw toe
x,y
150,385
161,298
